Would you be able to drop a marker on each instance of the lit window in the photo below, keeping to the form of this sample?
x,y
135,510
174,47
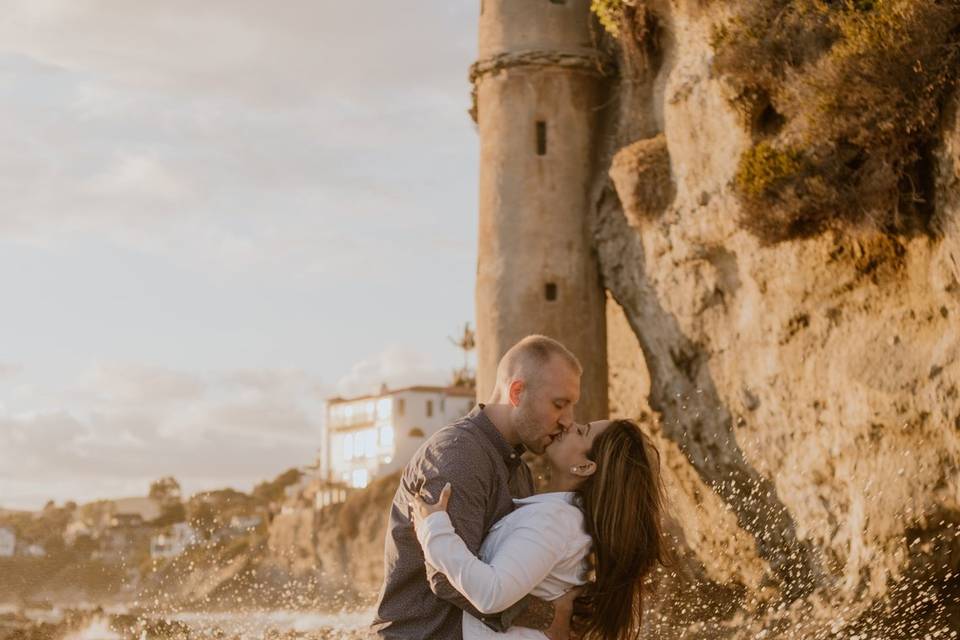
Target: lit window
x,y
357,445
384,408
359,478
370,443
386,436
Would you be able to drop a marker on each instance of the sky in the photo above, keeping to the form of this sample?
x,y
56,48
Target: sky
x,y
215,215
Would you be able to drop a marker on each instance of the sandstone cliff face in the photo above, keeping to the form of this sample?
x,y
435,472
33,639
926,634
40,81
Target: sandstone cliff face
x,y
339,549
805,394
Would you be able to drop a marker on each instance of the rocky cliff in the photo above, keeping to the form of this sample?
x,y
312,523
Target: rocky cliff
x,y
339,548
777,220
802,380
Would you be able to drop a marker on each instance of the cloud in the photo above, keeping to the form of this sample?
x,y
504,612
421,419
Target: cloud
x,y
140,176
9,370
118,384
303,154
296,50
129,423
133,130
396,367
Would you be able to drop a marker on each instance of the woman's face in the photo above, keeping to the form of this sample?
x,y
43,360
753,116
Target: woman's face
x,y
570,449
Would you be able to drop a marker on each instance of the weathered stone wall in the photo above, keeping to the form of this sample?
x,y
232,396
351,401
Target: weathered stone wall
x,y
538,95
809,390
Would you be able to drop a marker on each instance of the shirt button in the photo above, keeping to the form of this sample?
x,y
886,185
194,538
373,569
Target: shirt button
x,y
513,455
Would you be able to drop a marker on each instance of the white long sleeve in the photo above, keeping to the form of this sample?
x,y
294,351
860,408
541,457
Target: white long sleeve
x,y
536,544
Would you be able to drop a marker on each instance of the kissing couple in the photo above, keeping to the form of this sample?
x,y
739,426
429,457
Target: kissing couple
x,y
473,552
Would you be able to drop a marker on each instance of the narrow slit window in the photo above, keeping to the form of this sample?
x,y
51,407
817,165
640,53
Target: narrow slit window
x,y
541,138
558,1
550,291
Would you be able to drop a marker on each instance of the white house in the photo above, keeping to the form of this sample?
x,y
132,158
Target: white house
x,y
128,511
373,436
173,542
8,543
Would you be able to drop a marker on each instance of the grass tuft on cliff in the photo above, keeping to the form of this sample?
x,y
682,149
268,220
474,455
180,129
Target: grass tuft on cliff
x,y
609,13
843,99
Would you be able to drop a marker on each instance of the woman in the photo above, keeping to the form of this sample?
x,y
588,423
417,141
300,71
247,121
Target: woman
x,y
603,499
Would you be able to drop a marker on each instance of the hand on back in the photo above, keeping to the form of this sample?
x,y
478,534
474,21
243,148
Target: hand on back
x,y
420,508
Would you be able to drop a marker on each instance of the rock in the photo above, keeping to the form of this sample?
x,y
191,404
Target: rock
x,y
644,183
805,394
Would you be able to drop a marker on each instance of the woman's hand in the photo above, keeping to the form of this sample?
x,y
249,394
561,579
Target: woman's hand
x,y
420,508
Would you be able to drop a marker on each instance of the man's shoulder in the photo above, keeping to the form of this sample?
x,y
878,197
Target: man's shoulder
x,y
462,437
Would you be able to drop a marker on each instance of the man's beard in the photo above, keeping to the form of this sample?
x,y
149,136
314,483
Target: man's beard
x,y
529,431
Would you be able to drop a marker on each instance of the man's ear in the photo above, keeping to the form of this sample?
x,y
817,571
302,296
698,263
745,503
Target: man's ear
x,y
584,470
517,387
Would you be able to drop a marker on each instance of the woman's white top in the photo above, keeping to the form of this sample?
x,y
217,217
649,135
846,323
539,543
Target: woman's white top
x,y
540,548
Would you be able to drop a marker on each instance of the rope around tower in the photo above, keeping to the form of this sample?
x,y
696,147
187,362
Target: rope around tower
x,y
596,63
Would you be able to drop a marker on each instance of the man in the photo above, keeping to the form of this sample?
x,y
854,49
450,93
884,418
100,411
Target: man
x,y
538,384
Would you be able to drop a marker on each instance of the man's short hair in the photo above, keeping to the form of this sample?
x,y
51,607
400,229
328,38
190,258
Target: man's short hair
x,y
529,356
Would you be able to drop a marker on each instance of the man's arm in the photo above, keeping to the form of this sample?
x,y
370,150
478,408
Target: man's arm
x,y
467,515
466,511
516,567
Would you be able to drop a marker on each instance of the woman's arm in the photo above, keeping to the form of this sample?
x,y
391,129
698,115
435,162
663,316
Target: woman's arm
x,y
520,564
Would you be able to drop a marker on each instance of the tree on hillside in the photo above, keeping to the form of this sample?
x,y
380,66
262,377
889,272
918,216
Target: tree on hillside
x,y
273,490
165,490
208,511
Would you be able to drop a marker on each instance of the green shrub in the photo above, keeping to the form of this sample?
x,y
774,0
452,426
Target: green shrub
x,y
850,93
609,12
762,168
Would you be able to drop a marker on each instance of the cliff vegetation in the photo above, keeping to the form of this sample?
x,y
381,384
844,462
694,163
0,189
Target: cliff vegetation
x,y
843,99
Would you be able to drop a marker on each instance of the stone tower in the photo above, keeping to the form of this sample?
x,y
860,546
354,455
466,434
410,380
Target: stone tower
x,y
538,90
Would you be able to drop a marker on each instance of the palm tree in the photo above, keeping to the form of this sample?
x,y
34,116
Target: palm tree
x,y
467,342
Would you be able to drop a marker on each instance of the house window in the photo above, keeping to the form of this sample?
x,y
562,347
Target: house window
x,y
416,432
386,436
541,138
558,1
384,408
429,408
359,478
401,406
370,443
358,445
550,291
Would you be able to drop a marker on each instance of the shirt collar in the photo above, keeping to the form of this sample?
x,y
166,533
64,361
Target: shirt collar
x,y
511,455
570,497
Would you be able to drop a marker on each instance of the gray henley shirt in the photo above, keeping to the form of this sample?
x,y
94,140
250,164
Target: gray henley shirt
x,y
416,601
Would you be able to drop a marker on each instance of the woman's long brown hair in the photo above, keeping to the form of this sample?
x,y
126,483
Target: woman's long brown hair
x,y
622,503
